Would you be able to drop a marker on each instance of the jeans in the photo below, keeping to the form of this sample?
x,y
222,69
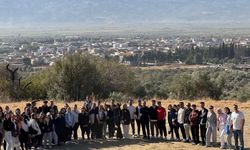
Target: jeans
x,y
153,125
181,126
138,122
229,140
85,129
132,122
145,128
47,139
162,127
203,130
195,133
75,129
238,134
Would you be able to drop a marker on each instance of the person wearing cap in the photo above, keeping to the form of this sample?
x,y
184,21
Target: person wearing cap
x,y
161,120
211,127
221,125
132,112
34,130
237,126
194,122
48,130
203,121
138,117
153,118
180,119
187,126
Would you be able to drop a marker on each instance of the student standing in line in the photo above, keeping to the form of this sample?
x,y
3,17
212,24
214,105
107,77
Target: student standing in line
x,y
227,130
161,120
211,127
187,126
132,112
110,121
24,134
203,121
75,114
221,124
117,121
145,120
34,131
138,117
84,122
69,118
238,122
175,122
125,121
48,131
8,127
194,122
180,119
170,123
153,119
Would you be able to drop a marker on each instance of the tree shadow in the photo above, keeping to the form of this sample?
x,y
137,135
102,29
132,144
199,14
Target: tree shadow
x,y
98,144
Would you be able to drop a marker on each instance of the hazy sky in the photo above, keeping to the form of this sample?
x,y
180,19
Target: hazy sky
x,y
120,12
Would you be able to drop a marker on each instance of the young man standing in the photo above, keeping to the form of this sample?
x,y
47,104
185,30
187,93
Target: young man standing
x,y
153,118
180,119
194,122
203,121
138,117
161,120
237,126
132,112
187,126
145,120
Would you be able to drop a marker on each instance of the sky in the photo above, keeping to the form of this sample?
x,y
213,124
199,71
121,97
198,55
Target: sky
x,y
46,13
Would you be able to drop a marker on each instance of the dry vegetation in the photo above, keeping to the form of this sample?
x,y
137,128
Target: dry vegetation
x,y
137,144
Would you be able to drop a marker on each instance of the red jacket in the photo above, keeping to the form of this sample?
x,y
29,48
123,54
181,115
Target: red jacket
x,y
161,113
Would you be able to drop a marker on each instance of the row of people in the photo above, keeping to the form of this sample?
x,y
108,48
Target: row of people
x,y
47,126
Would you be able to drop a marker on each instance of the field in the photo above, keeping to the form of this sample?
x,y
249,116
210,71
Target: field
x,y
138,144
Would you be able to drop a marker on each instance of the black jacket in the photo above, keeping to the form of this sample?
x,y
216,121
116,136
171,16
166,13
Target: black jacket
x,y
8,125
125,116
138,112
186,117
145,114
203,116
153,113
83,119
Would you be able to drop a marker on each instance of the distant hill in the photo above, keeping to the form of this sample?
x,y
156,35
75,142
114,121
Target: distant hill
x,y
89,12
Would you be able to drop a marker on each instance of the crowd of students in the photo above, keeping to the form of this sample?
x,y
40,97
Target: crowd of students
x,y
47,126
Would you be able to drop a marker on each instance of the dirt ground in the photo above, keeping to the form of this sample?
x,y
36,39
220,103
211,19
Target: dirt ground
x,y
152,144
